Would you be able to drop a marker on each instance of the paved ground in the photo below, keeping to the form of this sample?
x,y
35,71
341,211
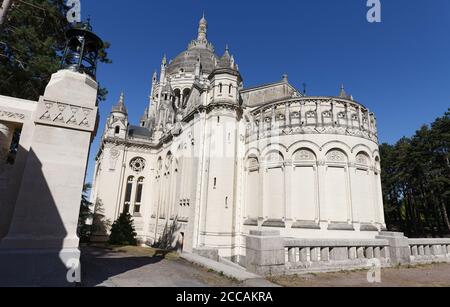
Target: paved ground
x,y
112,268
436,275
137,267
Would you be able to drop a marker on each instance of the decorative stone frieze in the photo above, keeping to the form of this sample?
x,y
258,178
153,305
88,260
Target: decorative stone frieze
x,y
66,115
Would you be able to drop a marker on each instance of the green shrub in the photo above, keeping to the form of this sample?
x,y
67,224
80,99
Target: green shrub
x,y
123,231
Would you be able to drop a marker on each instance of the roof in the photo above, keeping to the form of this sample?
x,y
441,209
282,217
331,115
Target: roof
x,y
139,132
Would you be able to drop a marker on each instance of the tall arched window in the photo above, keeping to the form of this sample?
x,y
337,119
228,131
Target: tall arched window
x,y
220,88
138,200
117,130
230,88
128,190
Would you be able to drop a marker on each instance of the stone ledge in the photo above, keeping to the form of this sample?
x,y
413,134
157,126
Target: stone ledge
x,y
368,227
335,243
251,222
341,226
274,223
306,225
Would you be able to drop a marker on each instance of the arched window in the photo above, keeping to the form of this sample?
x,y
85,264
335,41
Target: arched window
x,y
186,93
230,88
129,188
117,130
220,88
138,200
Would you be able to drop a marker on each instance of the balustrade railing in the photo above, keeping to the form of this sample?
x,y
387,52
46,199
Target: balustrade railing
x,y
429,250
325,254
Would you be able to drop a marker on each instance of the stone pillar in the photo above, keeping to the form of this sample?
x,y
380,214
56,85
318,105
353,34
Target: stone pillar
x,y
41,248
398,247
265,252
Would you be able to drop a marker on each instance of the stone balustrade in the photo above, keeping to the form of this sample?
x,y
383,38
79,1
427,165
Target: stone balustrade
x,y
322,255
268,253
429,250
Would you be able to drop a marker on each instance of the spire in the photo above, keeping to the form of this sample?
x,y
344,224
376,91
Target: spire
x,y
227,51
342,93
164,60
120,106
227,60
202,29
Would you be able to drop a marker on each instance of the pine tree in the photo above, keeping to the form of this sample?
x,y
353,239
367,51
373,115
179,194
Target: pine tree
x,y
84,230
416,181
123,231
32,41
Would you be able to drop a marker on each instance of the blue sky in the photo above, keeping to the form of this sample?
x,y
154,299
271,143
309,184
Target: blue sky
x,y
399,68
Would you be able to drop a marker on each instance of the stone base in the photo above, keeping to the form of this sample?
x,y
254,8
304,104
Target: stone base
x,y
40,268
399,247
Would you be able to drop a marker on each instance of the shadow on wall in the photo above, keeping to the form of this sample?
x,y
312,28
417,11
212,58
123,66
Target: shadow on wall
x,y
170,239
31,247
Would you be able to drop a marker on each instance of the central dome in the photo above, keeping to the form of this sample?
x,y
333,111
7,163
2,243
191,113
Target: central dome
x,y
187,61
199,50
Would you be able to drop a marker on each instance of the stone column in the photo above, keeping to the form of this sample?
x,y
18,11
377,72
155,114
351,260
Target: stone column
x,y
41,248
352,180
288,174
321,174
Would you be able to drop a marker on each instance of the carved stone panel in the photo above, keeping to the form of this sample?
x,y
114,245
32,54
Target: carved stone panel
x,y
66,115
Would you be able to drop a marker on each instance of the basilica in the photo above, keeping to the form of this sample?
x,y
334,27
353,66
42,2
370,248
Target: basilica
x,y
211,160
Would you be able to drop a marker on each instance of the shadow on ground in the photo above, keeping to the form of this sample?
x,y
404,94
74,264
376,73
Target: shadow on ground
x,y
109,268
99,265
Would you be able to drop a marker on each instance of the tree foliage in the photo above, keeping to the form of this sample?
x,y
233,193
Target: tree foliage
x,y
416,181
32,42
122,231
84,229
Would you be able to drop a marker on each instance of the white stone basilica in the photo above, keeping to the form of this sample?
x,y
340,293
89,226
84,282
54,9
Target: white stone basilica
x,y
212,160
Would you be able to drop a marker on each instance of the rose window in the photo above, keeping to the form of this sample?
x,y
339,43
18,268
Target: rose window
x,y
137,165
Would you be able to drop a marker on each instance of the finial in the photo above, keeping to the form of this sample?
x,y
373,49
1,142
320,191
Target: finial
x,y
122,97
285,78
342,93
202,29
304,88
164,60
227,51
